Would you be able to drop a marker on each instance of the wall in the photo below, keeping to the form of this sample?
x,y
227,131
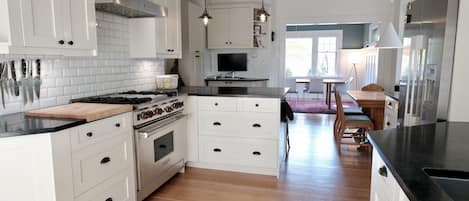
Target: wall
x,y
352,33
65,78
458,108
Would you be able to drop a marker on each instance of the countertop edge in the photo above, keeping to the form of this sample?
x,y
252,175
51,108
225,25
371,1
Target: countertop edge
x,y
388,164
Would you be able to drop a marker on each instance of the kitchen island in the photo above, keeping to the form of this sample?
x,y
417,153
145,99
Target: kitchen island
x,y
427,163
235,128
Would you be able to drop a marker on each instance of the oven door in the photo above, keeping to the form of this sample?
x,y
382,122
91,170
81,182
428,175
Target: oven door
x,y
160,147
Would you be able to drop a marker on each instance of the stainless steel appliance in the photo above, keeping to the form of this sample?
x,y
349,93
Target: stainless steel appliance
x,y
159,127
132,8
427,61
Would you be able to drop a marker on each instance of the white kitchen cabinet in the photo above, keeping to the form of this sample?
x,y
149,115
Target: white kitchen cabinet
x,y
391,113
48,27
159,37
237,134
62,166
231,28
384,186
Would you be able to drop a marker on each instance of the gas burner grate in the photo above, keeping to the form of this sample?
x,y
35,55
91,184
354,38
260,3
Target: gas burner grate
x,y
115,100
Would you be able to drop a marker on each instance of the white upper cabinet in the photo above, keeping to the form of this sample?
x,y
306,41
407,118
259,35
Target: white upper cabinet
x,y
231,28
159,37
48,27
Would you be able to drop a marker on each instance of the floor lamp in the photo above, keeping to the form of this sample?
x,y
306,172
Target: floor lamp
x,y
354,59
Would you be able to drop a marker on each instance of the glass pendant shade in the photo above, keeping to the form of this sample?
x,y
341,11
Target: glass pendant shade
x,y
205,16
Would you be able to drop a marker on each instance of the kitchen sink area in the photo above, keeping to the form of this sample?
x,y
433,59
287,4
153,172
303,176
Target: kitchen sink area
x,y
454,182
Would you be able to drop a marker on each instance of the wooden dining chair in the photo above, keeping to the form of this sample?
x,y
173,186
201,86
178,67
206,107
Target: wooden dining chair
x,y
372,87
360,122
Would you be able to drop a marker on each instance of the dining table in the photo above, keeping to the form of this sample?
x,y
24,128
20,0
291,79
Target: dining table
x,y
329,82
372,103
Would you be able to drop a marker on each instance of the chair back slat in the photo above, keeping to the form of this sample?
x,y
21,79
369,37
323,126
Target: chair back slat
x,y
340,107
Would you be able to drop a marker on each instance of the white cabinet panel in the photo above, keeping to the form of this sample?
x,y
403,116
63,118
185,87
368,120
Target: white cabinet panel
x,y
241,28
118,189
43,23
83,25
219,28
218,104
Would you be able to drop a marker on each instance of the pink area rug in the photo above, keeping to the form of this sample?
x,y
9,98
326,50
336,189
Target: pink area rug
x,y
317,106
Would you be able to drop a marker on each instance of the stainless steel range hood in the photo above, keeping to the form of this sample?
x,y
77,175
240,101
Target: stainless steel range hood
x,y
132,8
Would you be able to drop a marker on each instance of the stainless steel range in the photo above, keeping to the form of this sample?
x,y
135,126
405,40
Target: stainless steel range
x,y
159,127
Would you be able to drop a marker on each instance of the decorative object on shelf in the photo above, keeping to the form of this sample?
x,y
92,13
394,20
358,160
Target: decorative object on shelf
x,y
389,39
262,14
257,29
205,16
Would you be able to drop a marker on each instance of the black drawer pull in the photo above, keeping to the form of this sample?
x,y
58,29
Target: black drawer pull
x,y
163,146
105,160
217,150
390,103
383,171
257,105
109,199
216,104
216,123
118,125
256,153
61,42
256,125
90,134
70,42
388,123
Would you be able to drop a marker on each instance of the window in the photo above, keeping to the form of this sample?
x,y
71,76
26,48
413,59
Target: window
x,y
312,53
299,56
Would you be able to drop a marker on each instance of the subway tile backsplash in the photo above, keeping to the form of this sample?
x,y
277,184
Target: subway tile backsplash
x,y
65,78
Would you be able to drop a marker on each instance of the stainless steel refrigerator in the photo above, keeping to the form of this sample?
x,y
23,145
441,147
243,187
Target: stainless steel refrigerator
x,y
427,61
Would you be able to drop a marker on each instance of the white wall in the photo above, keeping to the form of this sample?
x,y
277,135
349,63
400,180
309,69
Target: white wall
x,y
459,109
65,78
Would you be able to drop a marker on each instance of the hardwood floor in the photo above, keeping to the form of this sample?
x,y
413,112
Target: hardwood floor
x,y
315,171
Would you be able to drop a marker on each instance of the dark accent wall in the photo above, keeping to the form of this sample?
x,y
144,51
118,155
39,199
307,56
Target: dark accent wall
x,y
352,33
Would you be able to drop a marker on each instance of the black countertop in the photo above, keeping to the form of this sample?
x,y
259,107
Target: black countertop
x,y
19,125
237,79
260,92
394,94
406,151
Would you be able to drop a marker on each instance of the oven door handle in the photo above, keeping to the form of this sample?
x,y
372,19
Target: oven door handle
x,y
149,133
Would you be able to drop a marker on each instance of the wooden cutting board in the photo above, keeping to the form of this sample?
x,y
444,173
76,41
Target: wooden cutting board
x,y
88,111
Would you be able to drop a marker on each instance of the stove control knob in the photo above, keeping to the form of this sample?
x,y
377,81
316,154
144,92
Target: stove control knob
x,y
159,111
168,109
147,114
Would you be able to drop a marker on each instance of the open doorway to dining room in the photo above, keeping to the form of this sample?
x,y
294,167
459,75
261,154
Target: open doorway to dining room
x,y
320,59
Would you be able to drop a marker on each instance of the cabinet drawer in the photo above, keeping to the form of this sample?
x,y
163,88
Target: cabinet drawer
x,y
259,105
382,186
93,165
391,104
220,123
390,120
245,152
98,131
217,104
259,125
118,188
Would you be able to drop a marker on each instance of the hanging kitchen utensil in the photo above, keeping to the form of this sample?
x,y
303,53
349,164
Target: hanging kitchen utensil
x,y
2,92
23,82
30,81
37,78
16,87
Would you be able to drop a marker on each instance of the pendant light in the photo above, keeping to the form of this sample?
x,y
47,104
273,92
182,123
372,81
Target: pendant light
x,y
389,39
262,13
205,16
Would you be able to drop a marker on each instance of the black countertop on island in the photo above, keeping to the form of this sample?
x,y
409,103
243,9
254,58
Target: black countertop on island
x,y
260,92
407,151
18,124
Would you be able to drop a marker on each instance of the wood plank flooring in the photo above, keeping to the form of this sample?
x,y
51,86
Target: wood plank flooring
x,y
315,171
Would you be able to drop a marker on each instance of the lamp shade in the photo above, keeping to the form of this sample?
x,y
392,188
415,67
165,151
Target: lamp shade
x,y
389,39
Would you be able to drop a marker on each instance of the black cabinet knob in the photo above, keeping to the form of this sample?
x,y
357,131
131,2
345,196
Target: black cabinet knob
x,y
109,199
70,42
61,42
217,150
90,134
388,123
118,125
383,171
216,104
216,123
256,125
256,153
105,160
257,105
227,43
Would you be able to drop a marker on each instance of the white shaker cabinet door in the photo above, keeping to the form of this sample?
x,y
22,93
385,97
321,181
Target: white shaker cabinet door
x,y
82,34
43,23
219,28
241,28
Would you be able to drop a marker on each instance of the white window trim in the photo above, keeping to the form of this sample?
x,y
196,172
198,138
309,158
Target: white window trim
x,y
315,34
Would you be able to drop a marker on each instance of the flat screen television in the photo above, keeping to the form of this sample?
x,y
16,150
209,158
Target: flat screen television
x,y
233,62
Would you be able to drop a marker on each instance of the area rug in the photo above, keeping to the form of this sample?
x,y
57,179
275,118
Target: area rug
x,y
317,106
